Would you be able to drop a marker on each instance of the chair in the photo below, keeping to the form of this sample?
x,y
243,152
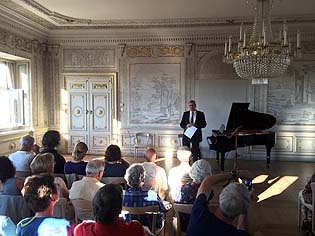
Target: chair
x,y
151,210
302,203
180,139
72,178
60,208
115,180
14,207
143,140
82,210
181,208
22,174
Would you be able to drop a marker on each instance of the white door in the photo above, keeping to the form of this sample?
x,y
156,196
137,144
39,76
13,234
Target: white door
x,y
90,111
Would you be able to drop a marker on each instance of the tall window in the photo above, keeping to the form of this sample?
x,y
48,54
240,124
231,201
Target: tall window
x,y
14,95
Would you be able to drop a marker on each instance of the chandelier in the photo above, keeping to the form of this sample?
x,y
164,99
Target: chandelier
x,y
262,57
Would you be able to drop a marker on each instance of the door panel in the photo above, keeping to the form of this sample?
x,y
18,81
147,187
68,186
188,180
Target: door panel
x,y
78,111
100,116
90,111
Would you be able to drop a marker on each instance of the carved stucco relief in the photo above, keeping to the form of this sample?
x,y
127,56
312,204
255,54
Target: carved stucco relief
x,y
88,58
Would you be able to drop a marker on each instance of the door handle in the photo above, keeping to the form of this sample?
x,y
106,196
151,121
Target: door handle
x,y
87,112
91,111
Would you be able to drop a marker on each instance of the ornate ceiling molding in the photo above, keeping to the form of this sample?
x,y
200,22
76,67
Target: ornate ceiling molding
x,y
52,20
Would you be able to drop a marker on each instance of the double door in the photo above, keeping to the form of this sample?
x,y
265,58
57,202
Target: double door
x,y
90,111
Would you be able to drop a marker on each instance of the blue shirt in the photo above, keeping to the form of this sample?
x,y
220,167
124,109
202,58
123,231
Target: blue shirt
x,y
75,167
204,223
9,187
43,226
138,197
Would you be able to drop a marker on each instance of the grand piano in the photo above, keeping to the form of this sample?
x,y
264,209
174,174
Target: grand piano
x,y
244,128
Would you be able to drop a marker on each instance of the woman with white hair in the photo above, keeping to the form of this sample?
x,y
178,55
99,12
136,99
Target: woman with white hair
x,y
199,170
136,196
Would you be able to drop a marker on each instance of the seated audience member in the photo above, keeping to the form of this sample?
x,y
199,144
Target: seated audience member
x,y
115,166
50,141
308,198
136,196
179,175
40,192
155,176
7,227
233,202
44,164
88,186
11,185
22,159
77,165
107,205
199,170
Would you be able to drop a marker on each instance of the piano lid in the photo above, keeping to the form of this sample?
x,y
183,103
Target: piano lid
x,y
247,119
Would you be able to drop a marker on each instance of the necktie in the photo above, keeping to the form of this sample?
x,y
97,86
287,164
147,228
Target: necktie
x,y
192,117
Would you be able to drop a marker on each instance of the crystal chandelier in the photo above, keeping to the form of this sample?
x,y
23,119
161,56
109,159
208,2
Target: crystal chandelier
x,y
262,57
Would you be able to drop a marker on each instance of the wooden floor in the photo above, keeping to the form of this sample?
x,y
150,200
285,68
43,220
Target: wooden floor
x,y
274,210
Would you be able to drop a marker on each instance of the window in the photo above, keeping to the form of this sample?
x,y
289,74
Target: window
x,y
14,94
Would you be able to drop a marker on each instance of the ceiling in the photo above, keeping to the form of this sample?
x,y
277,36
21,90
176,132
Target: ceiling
x,y
168,9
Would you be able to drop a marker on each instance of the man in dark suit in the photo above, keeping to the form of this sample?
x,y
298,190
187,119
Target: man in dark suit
x,y
197,119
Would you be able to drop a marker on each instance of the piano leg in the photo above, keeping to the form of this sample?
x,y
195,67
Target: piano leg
x,y
222,160
268,147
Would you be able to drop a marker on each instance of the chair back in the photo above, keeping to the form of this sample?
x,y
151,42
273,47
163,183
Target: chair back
x,y
181,208
14,207
180,139
60,208
72,178
144,139
151,210
82,210
22,174
115,180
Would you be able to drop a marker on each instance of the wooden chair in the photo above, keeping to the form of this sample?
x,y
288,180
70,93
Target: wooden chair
x,y
60,208
151,210
310,207
22,174
82,210
72,178
14,207
115,180
143,140
181,208
180,139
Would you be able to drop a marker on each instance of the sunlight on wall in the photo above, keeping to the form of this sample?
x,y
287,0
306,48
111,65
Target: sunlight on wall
x,y
116,131
64,114
277,188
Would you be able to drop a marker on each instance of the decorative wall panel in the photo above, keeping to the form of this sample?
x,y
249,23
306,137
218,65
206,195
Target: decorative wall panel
x,y
284,143
88,58
154,93
305,144
168,141
292,97
100,113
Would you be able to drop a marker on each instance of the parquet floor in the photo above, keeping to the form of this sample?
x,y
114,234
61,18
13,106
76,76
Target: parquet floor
x,y
274,212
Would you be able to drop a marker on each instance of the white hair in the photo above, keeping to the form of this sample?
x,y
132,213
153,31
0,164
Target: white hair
x,y
183,154
94,166
200,170
27,141
234,200
134,175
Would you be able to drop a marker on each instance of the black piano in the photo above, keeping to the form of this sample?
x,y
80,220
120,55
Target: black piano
x,y
244,128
